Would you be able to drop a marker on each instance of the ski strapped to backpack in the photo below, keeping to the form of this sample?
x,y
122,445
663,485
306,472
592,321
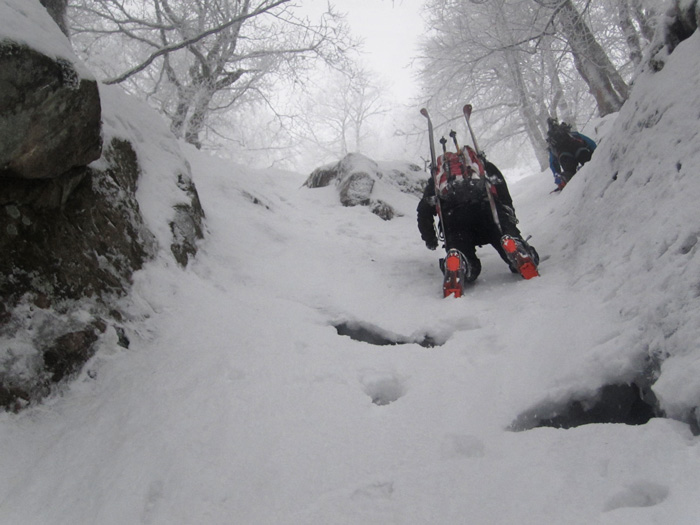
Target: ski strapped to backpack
x,y
433,169
490,190
515,249
455,265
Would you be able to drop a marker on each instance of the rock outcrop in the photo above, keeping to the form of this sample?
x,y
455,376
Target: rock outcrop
x,y
679,22
356,177
73,230
49,115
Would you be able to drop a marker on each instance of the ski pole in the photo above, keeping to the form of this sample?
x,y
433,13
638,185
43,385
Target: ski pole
x,y
445,163
453,134
463,167
467,110
433,164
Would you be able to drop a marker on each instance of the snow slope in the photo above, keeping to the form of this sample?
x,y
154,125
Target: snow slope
x,y
238,401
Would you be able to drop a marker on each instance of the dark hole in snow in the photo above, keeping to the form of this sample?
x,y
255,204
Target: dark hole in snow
x,y
368,333
619,403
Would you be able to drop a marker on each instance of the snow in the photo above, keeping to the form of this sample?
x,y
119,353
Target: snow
x,y
238,402
27,22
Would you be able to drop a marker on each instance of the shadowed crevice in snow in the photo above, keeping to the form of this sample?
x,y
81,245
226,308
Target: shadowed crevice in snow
x,y
374,335
616,403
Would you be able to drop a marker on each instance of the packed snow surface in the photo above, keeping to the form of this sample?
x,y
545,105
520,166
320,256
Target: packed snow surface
x,y
238,401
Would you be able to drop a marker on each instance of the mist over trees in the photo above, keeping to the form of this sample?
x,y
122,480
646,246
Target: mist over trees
x,y
195,58
264,77
521,61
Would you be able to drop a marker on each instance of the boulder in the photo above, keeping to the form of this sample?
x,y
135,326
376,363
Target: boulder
x,y
358,178
49,115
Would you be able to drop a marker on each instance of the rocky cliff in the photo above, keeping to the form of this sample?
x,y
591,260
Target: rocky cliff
x,y
73,227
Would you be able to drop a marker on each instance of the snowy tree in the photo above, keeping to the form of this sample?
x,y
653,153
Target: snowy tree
x,y
593,64
195,57
475,52
520,61
337,112
636,24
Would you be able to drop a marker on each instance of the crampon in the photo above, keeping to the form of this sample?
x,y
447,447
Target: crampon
x,y
455,274
520,257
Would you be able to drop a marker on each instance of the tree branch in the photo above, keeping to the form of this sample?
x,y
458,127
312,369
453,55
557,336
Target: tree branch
x,y
189,41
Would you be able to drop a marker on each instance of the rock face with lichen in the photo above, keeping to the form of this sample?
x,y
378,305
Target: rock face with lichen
x,y
72,227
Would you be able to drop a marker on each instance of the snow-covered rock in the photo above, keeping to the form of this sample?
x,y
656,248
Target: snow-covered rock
x,y
358,178
77,221
49,103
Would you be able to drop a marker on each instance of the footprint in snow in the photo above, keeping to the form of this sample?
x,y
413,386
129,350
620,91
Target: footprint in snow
x,y
461,445
640,494
382,387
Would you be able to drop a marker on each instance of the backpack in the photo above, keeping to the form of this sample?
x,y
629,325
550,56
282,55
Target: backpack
x,y
459,178
563,142
570,150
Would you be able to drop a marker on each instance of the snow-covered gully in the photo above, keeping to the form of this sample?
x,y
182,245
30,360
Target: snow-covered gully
x,y
239,400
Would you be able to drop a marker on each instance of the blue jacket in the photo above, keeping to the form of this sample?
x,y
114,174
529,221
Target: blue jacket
x,y
554,161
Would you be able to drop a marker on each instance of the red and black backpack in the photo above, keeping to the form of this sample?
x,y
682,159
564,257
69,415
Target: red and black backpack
x,y
460,177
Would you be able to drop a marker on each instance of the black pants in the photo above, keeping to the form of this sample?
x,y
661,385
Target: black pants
x,y
470,225
570,162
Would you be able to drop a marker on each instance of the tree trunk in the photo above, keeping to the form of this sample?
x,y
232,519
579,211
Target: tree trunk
x,y
177,120
604,82
645,19
57,10
630,32
195,122
560,107
526,110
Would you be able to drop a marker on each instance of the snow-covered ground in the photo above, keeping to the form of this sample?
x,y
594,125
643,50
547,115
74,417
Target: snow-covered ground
x,y
238,401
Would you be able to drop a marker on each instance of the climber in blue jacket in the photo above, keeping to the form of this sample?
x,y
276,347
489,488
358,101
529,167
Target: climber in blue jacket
x,y
568,150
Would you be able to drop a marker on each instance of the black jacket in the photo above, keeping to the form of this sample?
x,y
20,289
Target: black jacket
x,y
427,207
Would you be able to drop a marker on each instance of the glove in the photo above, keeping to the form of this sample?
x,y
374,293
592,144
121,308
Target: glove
x,y
511,213
431,244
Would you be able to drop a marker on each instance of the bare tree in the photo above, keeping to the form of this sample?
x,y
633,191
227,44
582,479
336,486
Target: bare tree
x,y
604,81
194,57
521,61
645,16
338,113
631,35
636,24
485,53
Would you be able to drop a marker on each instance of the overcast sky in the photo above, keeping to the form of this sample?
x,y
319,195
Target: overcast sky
x,y
390,30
